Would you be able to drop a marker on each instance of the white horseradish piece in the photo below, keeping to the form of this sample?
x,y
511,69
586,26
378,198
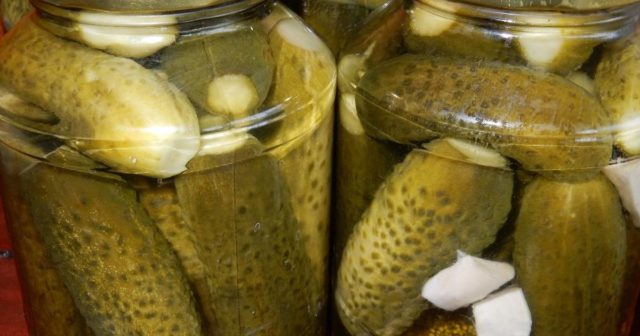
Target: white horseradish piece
x,y
468,280
625,177
505,313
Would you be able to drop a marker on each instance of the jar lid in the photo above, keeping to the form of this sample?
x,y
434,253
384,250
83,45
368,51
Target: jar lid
x,y
141,6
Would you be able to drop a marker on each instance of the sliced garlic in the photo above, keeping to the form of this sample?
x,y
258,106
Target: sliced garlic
x,y
505,313
468,280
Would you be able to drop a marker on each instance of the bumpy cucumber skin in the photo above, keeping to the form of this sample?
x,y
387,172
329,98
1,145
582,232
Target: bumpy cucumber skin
x,y
306,168
194,62
162,205
50,309
617,81
118,112
530,116
334,21
427,209
570,250
363,163
251,246
122,274
436,322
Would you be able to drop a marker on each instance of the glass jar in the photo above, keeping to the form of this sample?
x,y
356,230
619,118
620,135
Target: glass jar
x,y
166,169
486,176
12,10
336,20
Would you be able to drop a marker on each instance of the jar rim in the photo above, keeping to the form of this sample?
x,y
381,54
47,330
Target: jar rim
x,y
69,10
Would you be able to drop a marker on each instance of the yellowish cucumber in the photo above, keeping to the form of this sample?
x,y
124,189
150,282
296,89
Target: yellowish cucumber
x,y
434,203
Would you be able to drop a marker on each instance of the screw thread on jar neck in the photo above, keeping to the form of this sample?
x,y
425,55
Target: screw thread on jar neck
x,y
596,22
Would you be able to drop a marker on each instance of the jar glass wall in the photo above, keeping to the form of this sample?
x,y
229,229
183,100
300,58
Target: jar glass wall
x,y
168,173
485,179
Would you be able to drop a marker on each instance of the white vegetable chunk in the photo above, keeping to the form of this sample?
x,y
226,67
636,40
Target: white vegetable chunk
x,y
349,115
624,177
505,313
468,280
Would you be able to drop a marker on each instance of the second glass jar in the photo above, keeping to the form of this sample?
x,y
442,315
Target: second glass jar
x,y
486,169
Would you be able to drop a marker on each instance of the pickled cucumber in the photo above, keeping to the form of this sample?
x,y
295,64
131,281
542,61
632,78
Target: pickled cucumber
x,y
304,84
570,250
122,274
432,31
617,81
25,113
543,121
250,244
13,10
369,162
335,21
307,171
116,111
226,72
49,306
417,221
162,205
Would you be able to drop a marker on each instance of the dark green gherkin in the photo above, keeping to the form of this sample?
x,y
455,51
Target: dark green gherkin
x,y
258,273
120,271
570,250
162,205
